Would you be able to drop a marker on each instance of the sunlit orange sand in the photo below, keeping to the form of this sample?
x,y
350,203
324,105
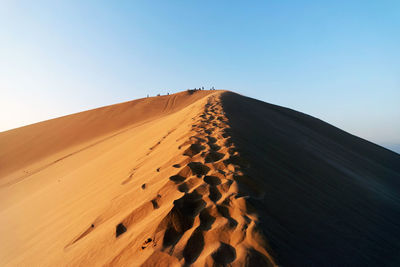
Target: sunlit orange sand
x,y
208,178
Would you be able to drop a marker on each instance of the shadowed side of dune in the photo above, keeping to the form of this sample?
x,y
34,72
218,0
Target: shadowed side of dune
x,y
324,197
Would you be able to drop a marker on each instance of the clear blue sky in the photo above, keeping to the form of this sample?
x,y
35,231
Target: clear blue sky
x,y
336,60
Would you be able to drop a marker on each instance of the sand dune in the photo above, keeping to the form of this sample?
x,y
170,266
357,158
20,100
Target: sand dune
x,y
207,178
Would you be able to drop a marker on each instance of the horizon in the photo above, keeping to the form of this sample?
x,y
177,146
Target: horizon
x,y
338,62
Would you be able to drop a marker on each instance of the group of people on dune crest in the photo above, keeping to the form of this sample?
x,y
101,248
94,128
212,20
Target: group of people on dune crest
x,y
192,90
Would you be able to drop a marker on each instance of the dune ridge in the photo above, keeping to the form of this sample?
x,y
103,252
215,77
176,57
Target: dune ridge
x,y
210,224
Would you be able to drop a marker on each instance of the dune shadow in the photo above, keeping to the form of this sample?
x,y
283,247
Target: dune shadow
x,y
181,217
194,246
213,156
225,254
224,211
177,178
193,150
343,191
198,168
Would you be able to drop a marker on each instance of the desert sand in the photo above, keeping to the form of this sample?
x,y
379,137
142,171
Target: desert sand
x,y
204,178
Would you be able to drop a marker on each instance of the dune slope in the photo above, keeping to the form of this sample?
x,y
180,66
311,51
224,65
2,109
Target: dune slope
x,y
23,146
324,197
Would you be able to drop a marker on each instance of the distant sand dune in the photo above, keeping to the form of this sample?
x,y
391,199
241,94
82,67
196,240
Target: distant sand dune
x,y
206,178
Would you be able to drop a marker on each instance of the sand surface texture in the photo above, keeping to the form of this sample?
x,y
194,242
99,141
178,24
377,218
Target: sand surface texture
x,y
204,178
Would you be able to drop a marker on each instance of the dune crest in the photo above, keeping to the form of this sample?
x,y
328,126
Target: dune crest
x,y
210,224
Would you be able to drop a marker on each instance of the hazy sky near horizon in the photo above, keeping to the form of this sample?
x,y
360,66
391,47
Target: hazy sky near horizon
x,y
336,60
